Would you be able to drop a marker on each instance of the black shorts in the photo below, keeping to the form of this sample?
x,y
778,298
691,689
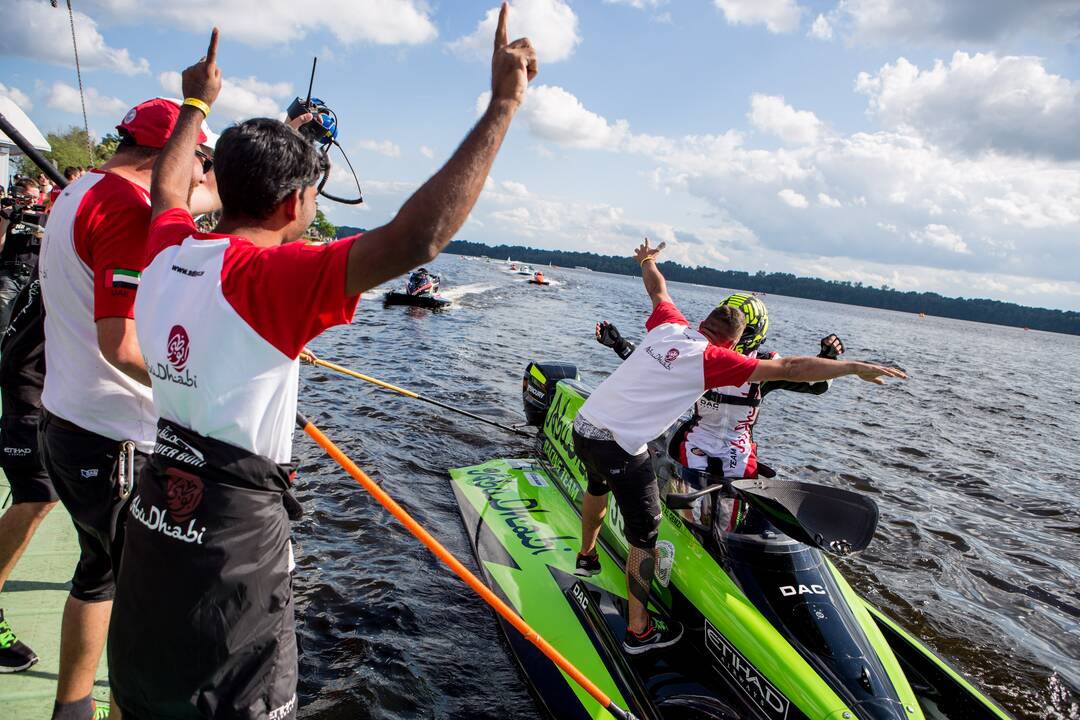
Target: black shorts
x,y
203,623
20,460
82,466
631,479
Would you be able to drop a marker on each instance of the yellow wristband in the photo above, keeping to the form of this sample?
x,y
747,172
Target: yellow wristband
x,y
647,259
197,103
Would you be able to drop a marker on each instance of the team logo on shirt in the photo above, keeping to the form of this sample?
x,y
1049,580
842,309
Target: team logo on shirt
x,y
178,348
666,359
184,492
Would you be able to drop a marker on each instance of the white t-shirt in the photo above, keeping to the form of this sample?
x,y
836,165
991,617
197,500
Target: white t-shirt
x,y
671,368
221,322
91,258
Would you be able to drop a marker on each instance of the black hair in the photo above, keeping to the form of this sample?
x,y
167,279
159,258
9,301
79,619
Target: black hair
x,y
70,172
259,162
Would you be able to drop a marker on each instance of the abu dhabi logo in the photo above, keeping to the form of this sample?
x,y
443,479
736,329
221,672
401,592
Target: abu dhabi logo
x,y
184,492
178,347
666,359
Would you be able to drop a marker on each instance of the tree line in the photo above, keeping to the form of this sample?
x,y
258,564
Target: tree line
x,y
839,291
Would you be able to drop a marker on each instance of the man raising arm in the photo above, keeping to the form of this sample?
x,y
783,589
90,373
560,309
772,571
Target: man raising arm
x,y
225,316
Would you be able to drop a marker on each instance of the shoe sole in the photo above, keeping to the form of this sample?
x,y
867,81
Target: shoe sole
x,y
27,666
641,649
586,573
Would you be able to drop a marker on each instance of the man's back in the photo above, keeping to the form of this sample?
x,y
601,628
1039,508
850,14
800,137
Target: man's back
x,y
661,380
90,262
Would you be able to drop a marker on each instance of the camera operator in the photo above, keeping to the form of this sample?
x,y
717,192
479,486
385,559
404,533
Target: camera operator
x,y
21,229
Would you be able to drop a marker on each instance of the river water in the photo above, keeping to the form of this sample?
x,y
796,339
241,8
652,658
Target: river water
x,y
972,463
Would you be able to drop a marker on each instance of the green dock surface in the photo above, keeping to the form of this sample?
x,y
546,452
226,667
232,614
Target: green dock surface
x,y
33,602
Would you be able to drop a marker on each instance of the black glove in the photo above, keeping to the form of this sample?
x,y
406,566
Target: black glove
x,y
607,334
832,347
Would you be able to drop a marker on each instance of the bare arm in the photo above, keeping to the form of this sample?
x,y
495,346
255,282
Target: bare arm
x,y
655,285
816,369
170,184
435,212
120,347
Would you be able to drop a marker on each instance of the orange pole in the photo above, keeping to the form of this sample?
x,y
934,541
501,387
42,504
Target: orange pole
x,y
460,570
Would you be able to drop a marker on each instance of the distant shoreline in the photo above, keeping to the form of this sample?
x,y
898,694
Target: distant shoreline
x,y
994,312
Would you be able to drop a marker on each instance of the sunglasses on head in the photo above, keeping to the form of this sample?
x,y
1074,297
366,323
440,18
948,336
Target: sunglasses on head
x,y
207,161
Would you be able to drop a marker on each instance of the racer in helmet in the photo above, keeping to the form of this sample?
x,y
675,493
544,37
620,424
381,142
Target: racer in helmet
x,y
719,438
422,284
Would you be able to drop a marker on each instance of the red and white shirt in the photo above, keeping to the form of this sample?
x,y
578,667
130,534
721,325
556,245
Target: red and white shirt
x,y
223,323
671,368
91,258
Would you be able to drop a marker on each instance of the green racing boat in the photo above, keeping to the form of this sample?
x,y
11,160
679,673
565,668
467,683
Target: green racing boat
x,y
773,630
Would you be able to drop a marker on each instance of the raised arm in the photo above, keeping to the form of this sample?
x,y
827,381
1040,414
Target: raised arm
x,y
816,369
435,212
170,184
655,285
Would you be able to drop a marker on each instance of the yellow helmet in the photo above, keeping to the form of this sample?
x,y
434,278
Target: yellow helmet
x,y
757,321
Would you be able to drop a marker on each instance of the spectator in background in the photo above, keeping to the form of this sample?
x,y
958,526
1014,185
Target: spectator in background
x,y
20,239
71,174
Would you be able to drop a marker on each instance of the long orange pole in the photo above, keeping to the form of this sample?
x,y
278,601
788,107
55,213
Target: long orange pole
x,y
460,570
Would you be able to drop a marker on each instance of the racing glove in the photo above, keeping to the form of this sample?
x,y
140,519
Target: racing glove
x,y
832,347
607,334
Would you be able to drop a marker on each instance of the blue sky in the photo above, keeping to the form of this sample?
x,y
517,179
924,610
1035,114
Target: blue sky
x,y
923,144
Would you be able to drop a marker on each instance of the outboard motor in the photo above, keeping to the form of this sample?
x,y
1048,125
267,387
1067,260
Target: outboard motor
x,y
538,388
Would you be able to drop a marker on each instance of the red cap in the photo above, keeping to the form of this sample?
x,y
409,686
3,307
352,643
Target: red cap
x,y
150,123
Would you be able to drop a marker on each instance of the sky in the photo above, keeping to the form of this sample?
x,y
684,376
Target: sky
x,y
927,145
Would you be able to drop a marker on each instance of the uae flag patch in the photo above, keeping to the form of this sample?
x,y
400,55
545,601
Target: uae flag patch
x,y
127,279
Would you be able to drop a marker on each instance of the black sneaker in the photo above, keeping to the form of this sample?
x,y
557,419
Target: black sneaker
x,y
587,565
659,634
14,655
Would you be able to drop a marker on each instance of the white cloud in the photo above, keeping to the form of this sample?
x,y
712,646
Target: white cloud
x,y
37,31
940,236
771,114
979,103
427,152
821,29
550,25
382,147
240,98
515,188
779,16
949,22
639,4
269,22
16,96
793,198
826,201
66,98
942,210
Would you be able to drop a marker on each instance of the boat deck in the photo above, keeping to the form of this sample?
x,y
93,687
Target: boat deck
x,y
33,601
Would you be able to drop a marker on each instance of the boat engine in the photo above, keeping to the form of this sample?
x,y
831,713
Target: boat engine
x,y
538,388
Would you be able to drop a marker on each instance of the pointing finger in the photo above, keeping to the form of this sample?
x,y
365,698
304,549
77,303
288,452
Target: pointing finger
x,y
211,53
500,31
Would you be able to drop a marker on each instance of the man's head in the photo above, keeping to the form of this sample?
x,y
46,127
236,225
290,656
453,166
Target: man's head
x,y
267,174
143,133
71,173
723,326
27,186
757,320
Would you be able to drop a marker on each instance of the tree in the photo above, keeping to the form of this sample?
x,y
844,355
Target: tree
x,y
321,227
69,149
106,148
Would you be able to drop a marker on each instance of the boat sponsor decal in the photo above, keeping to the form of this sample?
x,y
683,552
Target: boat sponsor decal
x,y
665,558
790,590
760,691
580,595
558,445
516,511
536,479
156,519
